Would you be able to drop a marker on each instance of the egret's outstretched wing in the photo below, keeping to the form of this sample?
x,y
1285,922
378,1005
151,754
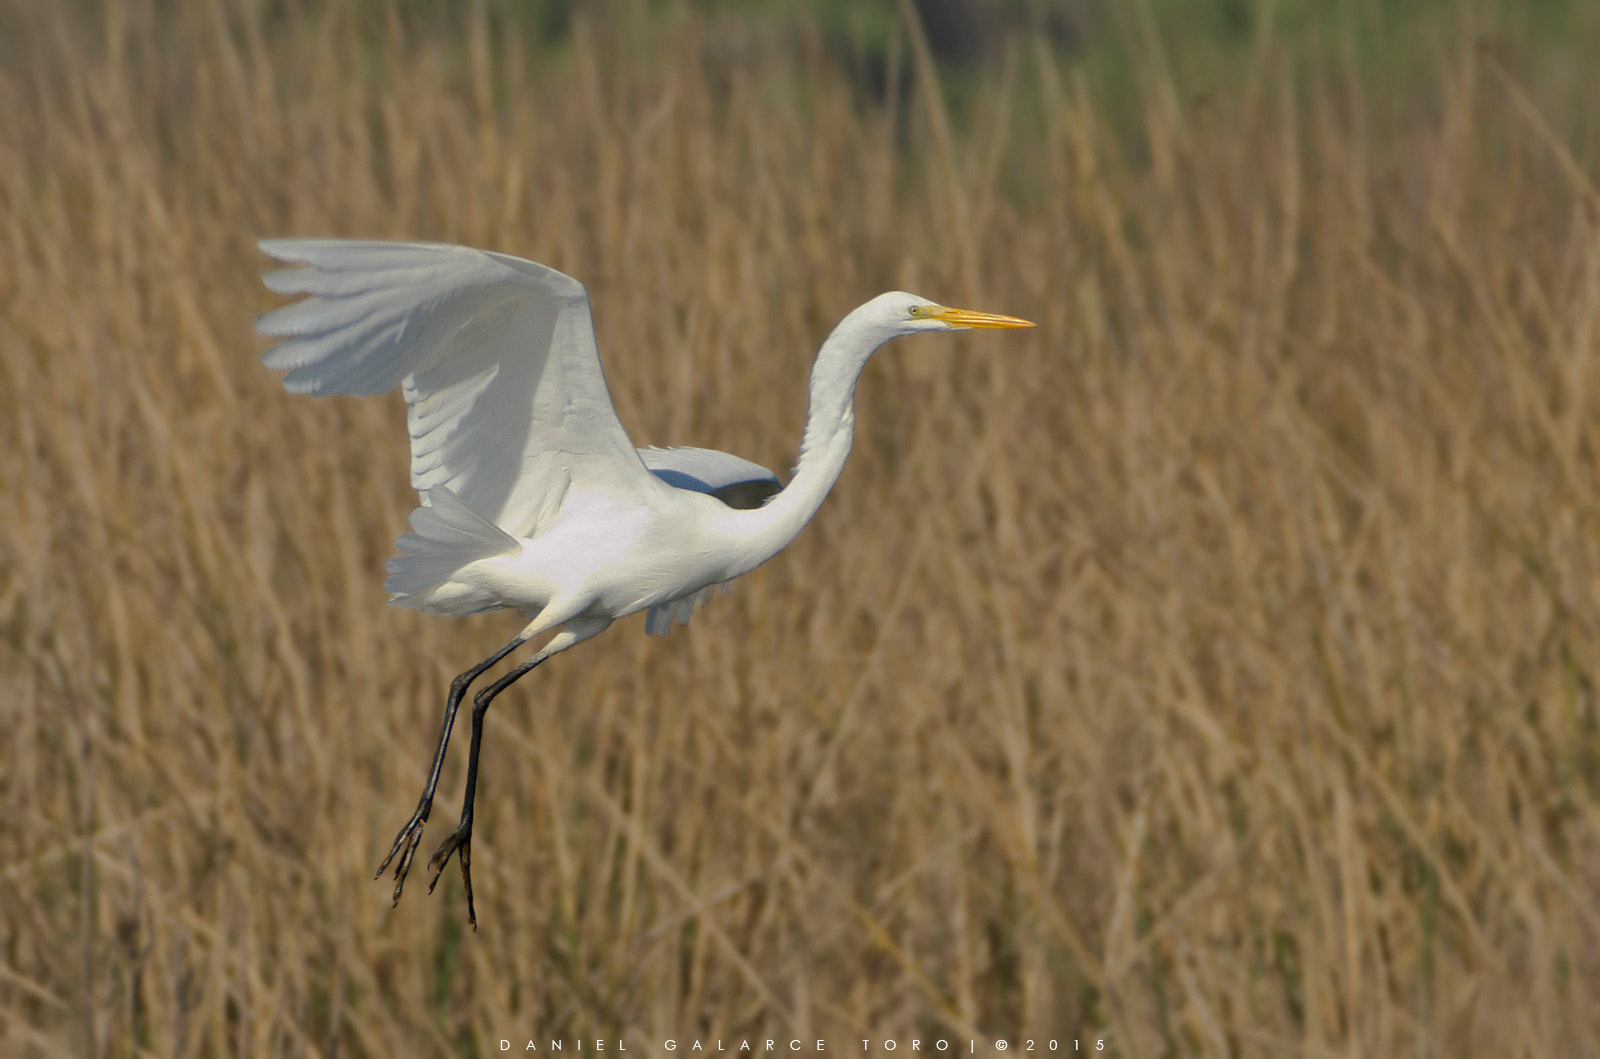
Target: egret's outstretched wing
x,y
507,404
736,482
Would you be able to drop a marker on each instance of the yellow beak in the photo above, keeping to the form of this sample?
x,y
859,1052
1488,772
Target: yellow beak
x,y
968,318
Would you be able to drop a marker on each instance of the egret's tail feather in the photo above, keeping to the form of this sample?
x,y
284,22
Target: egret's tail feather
x,y
445,535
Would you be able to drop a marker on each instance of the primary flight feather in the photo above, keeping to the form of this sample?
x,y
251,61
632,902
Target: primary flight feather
x,y
533,497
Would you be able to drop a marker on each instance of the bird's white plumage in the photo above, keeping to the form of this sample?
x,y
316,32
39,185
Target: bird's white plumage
x,y
539,500
533,496
702,470
507,404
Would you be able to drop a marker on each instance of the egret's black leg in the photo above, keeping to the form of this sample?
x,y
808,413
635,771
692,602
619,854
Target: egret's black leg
x,y
459,841
405,843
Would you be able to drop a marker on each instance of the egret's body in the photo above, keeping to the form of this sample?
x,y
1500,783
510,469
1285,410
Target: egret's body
x,y
533,498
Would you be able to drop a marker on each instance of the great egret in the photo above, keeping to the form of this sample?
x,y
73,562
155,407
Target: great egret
x,y
533,498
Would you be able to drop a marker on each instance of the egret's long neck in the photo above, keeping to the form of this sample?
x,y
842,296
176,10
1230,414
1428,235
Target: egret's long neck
x,y
830,426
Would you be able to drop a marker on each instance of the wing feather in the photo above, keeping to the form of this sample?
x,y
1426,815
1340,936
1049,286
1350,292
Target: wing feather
x,y
507,403
703,470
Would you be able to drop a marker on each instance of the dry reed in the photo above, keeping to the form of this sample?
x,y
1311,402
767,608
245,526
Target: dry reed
x,y
1212,670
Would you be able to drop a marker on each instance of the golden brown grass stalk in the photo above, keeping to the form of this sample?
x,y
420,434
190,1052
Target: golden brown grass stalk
x,y
1212,669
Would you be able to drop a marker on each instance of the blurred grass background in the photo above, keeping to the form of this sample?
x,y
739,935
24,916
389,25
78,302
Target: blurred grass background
x,y
1212,670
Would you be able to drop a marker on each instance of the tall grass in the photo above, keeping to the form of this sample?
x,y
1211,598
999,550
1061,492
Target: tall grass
x,y
1212,670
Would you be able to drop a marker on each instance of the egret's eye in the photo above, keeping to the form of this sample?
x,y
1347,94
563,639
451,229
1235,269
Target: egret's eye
x,y
919,310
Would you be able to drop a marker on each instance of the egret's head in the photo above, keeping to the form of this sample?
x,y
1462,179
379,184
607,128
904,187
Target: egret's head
x,y
909,314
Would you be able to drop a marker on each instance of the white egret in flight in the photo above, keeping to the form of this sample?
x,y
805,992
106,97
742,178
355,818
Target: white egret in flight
x,y
533,498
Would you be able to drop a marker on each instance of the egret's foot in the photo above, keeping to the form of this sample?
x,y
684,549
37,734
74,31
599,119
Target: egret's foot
x,y
460,843
405,847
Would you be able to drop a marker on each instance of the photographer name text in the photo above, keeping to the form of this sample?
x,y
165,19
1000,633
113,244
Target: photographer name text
x,y
932,1046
